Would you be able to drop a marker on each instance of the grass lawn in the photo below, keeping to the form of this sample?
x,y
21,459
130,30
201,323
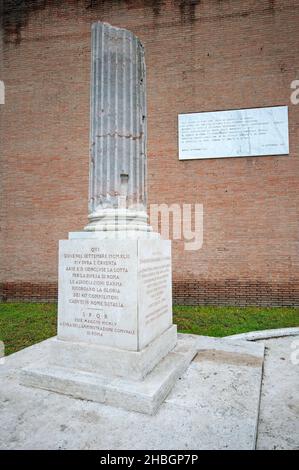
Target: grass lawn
x,y
23,324
224,321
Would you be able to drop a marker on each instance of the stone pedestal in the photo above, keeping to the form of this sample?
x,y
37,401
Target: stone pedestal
x,y
144,396
116,342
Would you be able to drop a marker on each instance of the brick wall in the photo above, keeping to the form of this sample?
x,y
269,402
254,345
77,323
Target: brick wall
x,y
29,292
185,292
202,55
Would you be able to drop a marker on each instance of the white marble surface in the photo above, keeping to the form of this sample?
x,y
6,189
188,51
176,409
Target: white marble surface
x,y
213,406
114,292
265,334
154,289
144,396
279,407
234,133
97,292
113,362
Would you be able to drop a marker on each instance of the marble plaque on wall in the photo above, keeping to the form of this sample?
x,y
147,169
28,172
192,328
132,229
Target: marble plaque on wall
x,y
236,133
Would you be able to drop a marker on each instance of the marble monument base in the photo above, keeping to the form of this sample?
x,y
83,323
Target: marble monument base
x,y
118,382
116,342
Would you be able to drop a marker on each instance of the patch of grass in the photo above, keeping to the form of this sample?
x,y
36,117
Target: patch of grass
x,y
224,321
24,324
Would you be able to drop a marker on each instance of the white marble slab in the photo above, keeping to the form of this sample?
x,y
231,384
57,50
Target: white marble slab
x,y
114,293
144,396
112,362
154,289
235,133
97,292
213,406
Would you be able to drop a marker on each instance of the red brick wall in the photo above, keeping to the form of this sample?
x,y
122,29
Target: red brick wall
x,y
201,55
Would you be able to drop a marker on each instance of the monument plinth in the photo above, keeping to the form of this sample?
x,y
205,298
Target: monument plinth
x,y
116,342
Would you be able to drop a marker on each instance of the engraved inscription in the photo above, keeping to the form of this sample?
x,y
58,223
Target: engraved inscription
x,y
237,133
155,275
95,296
155,299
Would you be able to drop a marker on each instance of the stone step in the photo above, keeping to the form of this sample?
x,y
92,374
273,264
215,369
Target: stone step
x,y
144,396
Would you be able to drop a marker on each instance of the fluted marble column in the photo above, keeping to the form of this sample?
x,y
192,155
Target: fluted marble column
x,y
117,183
